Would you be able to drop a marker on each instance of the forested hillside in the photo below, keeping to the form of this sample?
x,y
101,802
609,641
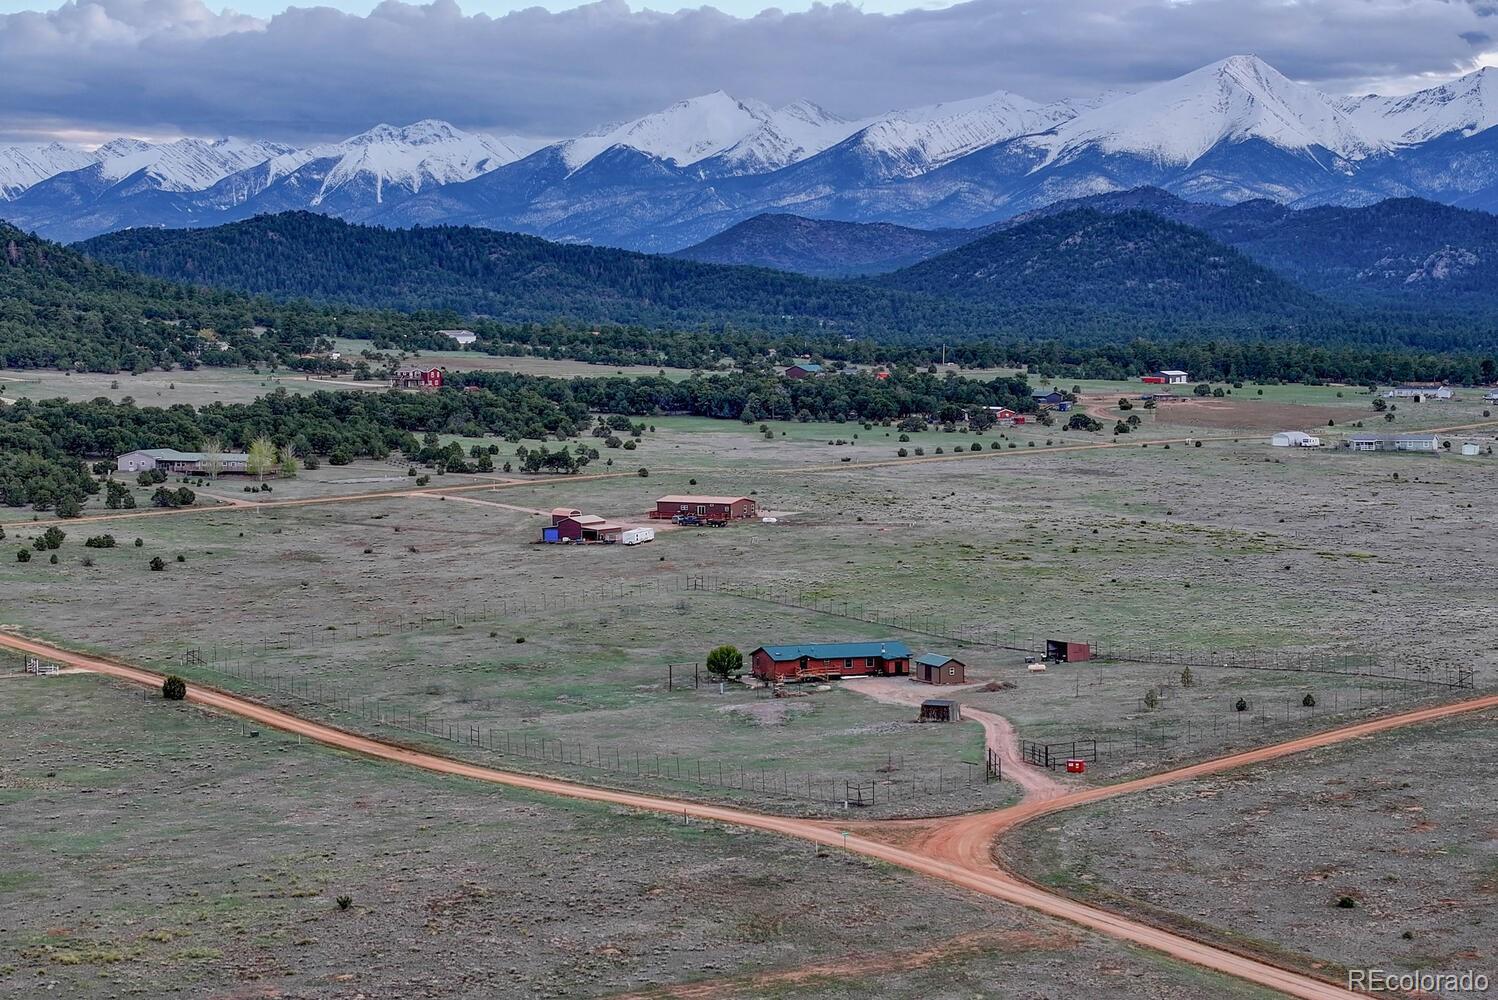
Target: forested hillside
x,y
1129,263
823,247
62,309
59,309
482,272
1052,278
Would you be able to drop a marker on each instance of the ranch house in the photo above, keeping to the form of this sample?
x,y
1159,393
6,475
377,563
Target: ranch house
x,y
830,659
724,508
1426,443
174,461
1420,393
416,378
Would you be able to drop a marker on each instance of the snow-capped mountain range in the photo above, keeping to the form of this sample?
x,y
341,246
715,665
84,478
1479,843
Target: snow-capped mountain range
x,y
1234,130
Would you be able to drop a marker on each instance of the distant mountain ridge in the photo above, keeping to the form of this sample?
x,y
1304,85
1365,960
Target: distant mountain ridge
x,y
1398,251
1082,275
824,249
1233,131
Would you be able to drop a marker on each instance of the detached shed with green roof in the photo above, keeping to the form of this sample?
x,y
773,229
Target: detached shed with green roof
x,y
821,660
934,668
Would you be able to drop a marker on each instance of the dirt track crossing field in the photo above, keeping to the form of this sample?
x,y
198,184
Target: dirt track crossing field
x,y
957,851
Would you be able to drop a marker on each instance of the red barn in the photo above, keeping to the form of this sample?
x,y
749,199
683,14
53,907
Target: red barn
x,y
584,527
1006,417
803,370
713,508
416,378
830,659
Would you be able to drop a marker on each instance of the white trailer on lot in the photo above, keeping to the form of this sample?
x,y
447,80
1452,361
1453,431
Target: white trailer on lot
x,y
634,536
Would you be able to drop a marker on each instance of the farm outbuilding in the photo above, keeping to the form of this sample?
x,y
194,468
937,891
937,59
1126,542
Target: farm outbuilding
x,y
940,710
1047,397
1005,417
1172,376
712,508
934,668
803,370
1295,439
830,659
582,528
1064,651
1471,448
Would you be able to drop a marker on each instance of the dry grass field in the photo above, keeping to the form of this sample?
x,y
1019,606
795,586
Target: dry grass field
x,y
422,602
1379,854
154,850
435,619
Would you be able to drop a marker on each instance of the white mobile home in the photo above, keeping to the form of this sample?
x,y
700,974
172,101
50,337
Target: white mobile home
x,y
1426,443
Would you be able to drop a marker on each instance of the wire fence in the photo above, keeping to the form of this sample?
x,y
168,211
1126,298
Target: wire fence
x,y
396,620
891,779
1368,665
1241,720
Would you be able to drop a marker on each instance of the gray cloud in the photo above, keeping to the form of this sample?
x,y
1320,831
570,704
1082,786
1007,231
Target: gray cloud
x,y
167,66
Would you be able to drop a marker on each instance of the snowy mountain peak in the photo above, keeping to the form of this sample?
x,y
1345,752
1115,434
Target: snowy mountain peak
x,y
411,157
181,165
26,164
1233,100
908,143
1466,106
786,135
684,133
422,133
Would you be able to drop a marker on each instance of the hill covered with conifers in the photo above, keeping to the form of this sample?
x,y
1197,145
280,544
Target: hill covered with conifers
x,y
1073,277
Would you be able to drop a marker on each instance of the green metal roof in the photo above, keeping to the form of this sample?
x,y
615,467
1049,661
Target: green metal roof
x,y
933,660
839,650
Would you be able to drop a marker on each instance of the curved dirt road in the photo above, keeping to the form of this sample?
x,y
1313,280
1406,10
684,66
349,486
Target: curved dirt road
x,y
998,734
957,851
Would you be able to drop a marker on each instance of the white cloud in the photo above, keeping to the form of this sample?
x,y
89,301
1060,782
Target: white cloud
x,y
174,66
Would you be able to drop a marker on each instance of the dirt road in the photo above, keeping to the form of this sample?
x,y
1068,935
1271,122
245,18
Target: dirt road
x,y
337,498
957,851
998,734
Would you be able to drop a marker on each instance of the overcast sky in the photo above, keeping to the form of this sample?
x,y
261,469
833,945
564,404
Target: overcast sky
x,y
159,68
